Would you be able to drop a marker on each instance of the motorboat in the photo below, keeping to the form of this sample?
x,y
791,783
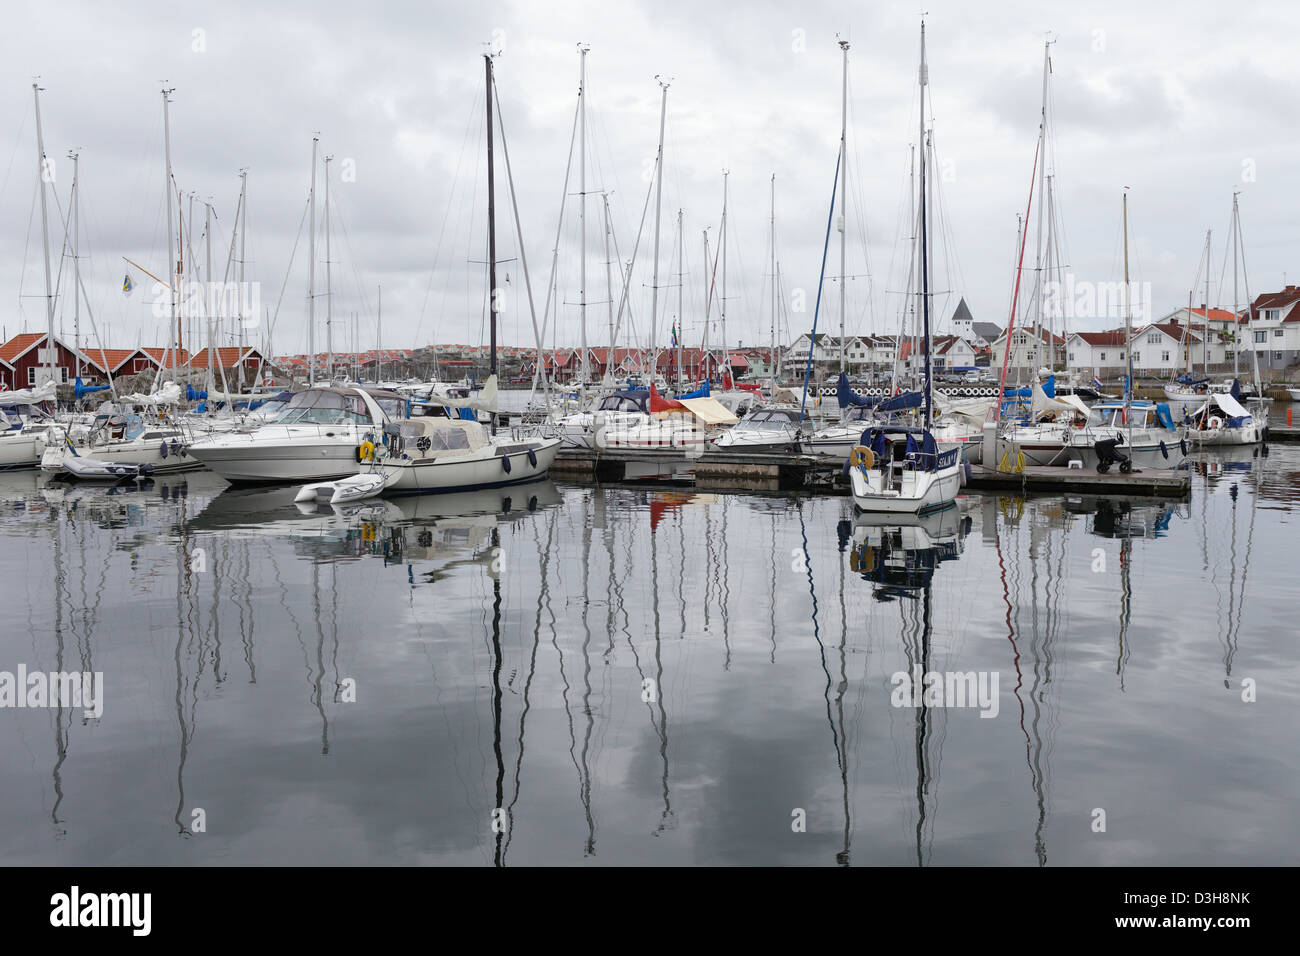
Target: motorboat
x,y
766,428
25,427
1144,429
123,437
443,454
317,436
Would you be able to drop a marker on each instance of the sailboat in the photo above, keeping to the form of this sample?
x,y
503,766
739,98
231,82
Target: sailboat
x,y
1222,419
902,470
1143,431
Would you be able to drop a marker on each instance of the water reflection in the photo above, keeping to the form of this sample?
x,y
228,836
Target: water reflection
x,y
607,675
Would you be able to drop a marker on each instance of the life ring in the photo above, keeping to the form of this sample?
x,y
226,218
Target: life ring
x,y
1214,423
366,452
862,457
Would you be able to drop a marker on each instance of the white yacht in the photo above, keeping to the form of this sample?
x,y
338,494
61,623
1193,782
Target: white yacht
x,y
318,435
1222,420
25,427
771,428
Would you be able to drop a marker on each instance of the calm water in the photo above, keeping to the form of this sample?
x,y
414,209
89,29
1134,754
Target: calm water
x,y
651,677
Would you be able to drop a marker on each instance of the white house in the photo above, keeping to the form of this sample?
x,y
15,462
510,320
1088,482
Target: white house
x,y
952,351
1097,353
826,350
1274,329
1028,352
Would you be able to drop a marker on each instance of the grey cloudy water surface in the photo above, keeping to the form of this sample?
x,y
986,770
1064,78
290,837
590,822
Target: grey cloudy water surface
x,y
651,677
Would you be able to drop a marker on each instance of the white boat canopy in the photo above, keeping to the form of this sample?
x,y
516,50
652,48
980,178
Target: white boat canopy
x,y
1231,407
29,396
484,401
710,411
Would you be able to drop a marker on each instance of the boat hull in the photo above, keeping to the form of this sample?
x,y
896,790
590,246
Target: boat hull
x,y
918,492
474,472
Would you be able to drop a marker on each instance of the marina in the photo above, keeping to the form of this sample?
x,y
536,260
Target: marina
x,y
577,435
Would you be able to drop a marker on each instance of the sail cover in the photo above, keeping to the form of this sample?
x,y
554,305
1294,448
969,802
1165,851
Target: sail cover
x,y
484,401
29,396
847,397
709,410
901,401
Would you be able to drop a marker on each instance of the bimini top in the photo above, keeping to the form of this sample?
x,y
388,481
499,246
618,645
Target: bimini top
x,y
628,400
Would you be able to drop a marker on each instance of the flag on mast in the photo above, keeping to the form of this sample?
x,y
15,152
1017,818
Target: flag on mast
x,y
127,285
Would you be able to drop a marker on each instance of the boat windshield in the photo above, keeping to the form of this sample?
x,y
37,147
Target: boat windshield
x,y
321,407
1113,416
620,403
857,413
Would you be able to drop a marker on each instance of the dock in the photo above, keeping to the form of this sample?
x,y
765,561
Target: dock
x,y
820,474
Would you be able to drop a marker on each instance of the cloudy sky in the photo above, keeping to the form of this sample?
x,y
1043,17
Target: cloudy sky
x,y
1181,103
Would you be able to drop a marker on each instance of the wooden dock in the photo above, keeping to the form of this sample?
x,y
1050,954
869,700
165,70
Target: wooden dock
x,y
774,472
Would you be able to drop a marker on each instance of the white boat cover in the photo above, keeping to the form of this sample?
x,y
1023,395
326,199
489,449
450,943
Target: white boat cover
x,y
974,410
169,394
484,401
1041,404
710,411
29,396
1231,407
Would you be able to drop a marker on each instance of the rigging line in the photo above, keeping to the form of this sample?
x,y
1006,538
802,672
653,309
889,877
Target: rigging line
x,y
270,331
446,217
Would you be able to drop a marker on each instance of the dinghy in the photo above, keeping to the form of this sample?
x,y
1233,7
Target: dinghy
x,y
95,469
343,490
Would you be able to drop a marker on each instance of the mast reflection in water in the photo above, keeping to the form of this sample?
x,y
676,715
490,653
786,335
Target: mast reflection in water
x,y
611,675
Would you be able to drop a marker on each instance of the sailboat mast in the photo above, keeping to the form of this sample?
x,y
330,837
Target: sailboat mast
x,y
243,227
76,262
681,288
726,360
844,187
924,79
329,284
659,189
492,239
174,264
1205,342
1236,362
42,173
582,203
609,288
1042,181
379,339
207,271
772,225
1128,329
311,271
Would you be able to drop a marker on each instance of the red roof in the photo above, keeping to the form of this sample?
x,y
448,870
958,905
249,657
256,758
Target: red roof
x,y
227,357
1113,338
1278,300
182,356
18,345
109,360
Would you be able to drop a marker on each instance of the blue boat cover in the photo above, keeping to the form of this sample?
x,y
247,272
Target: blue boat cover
x,y
848,398
901,401
1163,415
698,393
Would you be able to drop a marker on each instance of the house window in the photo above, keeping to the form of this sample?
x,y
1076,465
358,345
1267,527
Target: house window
x,y
1071,357
1270,315
1137,356
61,374
1261,336
1277,333
1154,338
1164,356
1277,356
1103,356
